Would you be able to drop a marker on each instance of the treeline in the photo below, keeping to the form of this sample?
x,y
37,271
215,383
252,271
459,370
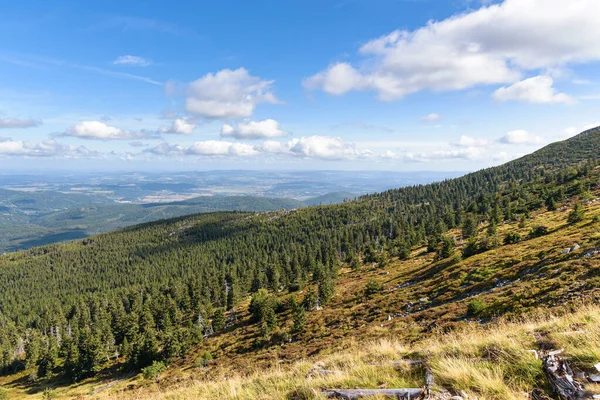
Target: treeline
x,y
153,291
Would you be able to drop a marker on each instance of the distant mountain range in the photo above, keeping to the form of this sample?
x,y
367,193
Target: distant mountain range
x,y
29,219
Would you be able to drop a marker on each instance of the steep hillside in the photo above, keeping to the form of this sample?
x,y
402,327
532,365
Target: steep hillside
x,y
407,263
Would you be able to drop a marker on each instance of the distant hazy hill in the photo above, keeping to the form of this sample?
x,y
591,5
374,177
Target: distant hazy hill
x,y
330,198
30,219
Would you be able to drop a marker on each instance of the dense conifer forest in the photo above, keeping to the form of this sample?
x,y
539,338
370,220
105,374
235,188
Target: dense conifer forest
x,y
149,293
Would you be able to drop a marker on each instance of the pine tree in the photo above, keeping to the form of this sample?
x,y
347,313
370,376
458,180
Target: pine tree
x,y
551,203
469,228
219,320
326,289
577,215
448,245
299,319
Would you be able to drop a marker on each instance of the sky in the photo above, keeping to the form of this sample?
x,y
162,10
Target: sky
x,y
452,85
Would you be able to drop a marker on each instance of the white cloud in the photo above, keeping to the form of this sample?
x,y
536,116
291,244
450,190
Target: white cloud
x,y
267,128
205,148
568,133
180,126
522,137
273,146
12,123
165,149
389,154
467,141
469,153
228,94
132,60
573,131
96,130
431,118
495,44
48,148
337,79
533,90
221,148
324,147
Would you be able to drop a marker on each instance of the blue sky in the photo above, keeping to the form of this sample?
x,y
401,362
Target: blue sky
x,y
341,84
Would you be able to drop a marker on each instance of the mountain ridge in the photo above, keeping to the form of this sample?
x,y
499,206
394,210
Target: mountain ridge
x,y
407,262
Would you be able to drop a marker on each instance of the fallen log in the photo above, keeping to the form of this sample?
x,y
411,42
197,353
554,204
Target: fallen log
x,y
352,394
561,378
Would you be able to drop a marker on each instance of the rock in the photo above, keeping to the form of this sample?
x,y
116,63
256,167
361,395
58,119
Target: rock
x,y
566,251
575,247
424,300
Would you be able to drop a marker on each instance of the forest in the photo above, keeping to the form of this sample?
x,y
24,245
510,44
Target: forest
x,y
147,294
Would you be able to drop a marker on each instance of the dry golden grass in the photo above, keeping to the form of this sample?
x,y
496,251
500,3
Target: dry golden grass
x,y
489,362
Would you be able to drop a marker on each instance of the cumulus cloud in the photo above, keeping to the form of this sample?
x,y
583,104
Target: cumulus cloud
x,y
268,128
228,94
273,147
337,79
522,137
468,141
132,60
181,126
48,148
221,148
12,123
324,147
205,148
495,44
538,89
96,130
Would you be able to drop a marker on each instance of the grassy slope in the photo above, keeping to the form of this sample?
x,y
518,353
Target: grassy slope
x,y
515,279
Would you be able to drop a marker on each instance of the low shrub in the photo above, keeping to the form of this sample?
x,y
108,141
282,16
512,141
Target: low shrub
x,y
153,371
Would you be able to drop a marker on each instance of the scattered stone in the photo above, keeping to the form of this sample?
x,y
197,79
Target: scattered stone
x,y
424,300
566,251
502,283
592,253
575,247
